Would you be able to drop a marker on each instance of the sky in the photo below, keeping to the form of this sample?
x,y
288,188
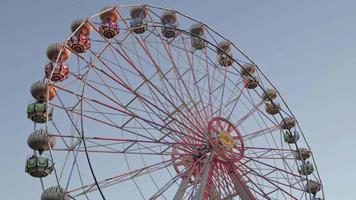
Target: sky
x,y
306,48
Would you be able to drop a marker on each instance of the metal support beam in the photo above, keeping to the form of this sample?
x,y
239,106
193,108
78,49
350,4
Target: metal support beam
x,y
183,186
240,185
204,178
215,194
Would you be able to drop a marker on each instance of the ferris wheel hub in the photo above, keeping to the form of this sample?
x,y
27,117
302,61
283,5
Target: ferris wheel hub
x,y
226,139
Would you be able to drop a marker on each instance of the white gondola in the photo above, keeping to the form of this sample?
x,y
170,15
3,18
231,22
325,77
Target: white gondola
x,y
290,137
247,70
169,24
56,69
197,31
81,26
302,154
80,41
40,140
272,108
224,54
312,187
251,82
269,94
287,123
138,23
55,193
108,26
306,169
41,90
57,51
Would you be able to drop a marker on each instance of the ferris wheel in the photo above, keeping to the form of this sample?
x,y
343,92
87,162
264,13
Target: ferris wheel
x,y
143,102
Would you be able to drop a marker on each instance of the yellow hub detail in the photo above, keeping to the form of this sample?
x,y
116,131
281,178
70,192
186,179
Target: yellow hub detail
x,y
226,139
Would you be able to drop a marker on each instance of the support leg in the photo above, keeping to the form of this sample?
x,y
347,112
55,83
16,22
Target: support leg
x,y
240,185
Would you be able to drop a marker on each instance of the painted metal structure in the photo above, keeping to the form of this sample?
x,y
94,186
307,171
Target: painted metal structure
x,y
148,98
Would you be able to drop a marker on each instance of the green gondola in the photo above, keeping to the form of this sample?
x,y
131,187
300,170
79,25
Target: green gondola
x,y
38,112
39,167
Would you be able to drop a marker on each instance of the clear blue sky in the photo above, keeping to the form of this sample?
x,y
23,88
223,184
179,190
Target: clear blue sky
x,y
307,48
